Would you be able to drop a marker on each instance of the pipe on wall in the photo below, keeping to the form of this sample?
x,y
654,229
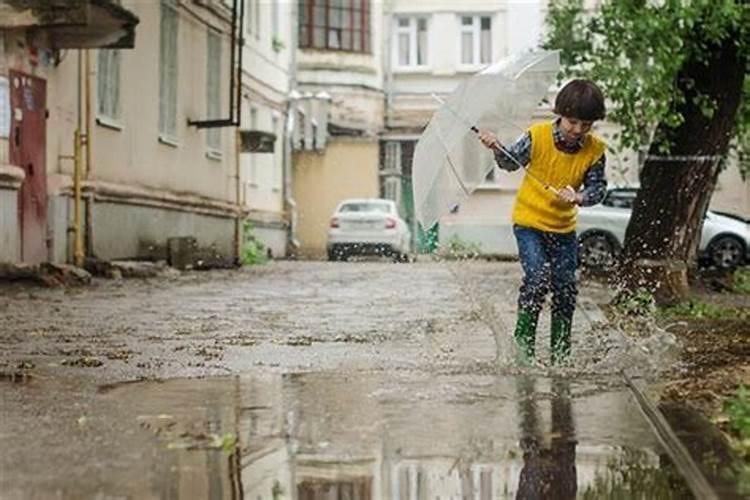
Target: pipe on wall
x,y
290,202
89,208
77,167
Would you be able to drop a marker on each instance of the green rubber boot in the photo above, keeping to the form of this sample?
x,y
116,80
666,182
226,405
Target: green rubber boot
x,y
525,335
560,339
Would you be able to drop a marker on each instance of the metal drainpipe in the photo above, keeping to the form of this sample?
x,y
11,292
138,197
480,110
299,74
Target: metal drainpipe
x,y
77,239
288,132
387,60
89,208
238,191
288,197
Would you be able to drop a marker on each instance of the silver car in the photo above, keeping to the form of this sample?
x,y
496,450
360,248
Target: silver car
x,y
368,226
725,240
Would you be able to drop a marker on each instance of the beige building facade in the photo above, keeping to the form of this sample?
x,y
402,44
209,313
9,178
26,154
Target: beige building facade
x,y
153,175
33,46
149,174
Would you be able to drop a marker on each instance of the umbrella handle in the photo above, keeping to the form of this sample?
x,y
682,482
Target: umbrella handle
x,y
547,187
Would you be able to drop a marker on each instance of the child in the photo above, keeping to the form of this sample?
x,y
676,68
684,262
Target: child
x,y
563,155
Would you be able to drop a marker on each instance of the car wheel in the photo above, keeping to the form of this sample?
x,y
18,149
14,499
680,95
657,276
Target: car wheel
x,y
596,251
726,252
401,257
336,254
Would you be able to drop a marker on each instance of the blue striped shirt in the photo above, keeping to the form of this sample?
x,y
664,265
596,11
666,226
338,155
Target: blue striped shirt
x,y
594,182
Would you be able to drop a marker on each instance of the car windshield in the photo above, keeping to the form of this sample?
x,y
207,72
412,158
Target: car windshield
x,y
365,206
620,199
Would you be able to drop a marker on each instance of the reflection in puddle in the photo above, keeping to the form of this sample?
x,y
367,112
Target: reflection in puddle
x,y
393,436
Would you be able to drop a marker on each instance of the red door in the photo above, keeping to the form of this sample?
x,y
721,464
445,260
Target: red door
x,y
28,104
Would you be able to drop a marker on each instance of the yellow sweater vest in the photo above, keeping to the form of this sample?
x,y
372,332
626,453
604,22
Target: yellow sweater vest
x,y
539,208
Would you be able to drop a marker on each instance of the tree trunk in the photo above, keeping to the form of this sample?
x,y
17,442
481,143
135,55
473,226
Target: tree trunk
x,y
662,237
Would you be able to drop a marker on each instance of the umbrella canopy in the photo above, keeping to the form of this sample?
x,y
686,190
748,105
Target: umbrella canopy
x,y
449,160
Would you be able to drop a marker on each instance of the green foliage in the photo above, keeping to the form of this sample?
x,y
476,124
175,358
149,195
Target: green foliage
x,y
640,302
741,280
737,410
635,50
277,44
701,310
253,251
457,248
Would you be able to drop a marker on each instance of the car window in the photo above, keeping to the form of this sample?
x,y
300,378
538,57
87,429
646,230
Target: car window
x,y
366,207
620,199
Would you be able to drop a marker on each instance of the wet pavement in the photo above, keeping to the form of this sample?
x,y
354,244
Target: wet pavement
x,y
313,381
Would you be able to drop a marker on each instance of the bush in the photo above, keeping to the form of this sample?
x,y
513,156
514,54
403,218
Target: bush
x,y
457,248
737,410
253,251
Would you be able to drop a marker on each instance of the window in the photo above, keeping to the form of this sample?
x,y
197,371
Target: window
x,y
168,70
620,198
476,40
252,26
392,157
300,129
411,41
277,165
108,84
213,88
335,25
274,20
253,126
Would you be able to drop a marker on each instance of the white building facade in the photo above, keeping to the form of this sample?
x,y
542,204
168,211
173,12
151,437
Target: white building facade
x,y
267,81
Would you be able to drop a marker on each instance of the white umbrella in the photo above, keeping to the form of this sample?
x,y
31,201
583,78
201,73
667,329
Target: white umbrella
x,y
449,160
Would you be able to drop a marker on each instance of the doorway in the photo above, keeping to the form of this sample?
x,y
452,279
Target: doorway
x,y
28,104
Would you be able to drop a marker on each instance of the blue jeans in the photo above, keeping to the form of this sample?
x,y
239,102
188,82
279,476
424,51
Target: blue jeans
x,y
549,261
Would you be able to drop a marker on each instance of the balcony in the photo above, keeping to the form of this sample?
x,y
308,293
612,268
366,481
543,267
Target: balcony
x,y
71,24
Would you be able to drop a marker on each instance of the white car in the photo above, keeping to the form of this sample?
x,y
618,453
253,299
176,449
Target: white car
x,y
368,226
725,240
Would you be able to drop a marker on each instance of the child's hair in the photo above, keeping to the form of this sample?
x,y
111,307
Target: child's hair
x,y
581,99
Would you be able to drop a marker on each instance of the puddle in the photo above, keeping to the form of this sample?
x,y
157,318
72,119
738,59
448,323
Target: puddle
x,y
399,436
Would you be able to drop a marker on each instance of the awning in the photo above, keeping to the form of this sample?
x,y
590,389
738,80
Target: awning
x,y
71,24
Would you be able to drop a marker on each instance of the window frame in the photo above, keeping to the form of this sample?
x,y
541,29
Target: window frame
x,y
306,29
476,31
412,31
108,77
252,18
214,54
252,173
168,74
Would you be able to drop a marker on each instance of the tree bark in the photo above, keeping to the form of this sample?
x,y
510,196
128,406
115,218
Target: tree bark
x,y
662,237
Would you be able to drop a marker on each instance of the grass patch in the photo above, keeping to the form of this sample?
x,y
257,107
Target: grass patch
x,y
638,303
737,412
741,280
701,310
